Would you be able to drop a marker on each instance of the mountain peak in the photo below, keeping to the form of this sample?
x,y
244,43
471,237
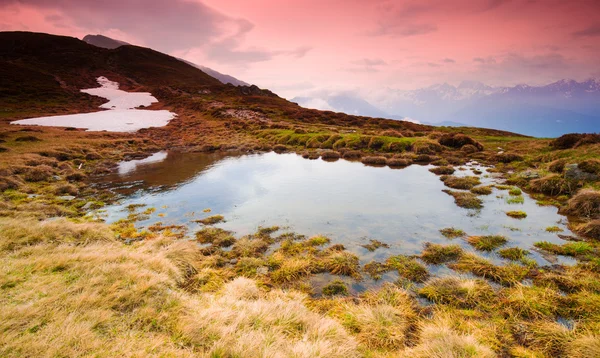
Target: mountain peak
x,y
103,41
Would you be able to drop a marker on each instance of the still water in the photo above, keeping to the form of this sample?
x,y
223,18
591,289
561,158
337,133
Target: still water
x,y
346,201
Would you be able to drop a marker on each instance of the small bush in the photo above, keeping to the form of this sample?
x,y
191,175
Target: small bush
x,y
398,162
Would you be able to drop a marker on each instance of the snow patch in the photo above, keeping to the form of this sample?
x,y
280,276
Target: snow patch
x,y
122,115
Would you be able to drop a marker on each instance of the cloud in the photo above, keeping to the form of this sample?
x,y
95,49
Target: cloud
x,y
367,65
403,29
299,52
590,31
448,60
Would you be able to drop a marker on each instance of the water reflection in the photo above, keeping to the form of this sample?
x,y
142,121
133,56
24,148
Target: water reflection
x,y
347,201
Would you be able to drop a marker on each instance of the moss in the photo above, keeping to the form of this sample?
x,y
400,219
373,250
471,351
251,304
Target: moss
x,y
487,243
517,214
408,268
335,288
464,183
482,190
465,200
211,220
452,233
374,245
438,254
458,292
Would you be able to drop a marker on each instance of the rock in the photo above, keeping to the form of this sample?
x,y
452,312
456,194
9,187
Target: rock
x,y
233,261
87,206
66,197
529,174
263,270
572,172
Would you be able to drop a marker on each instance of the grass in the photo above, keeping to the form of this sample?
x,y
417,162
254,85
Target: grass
x,y
335,288
554,229
343,263
458,292
452,233
376,269
408,268
464,183
482,190
568,249
507,275
487,243
513,253
443,170
215,236
211,220
465,200
515,200
517,214
515,192
438,254
374,245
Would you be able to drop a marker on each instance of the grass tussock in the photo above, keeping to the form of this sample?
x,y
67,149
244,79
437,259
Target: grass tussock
x,y
585,204
374,245
482,190
458,292
343,263
215,236
211,220
408,268
465,199
553,184
464,183
443,170
374,160
513,253
487,243
437,254
510,274
335,288
516,214
590,229
569,249
452,233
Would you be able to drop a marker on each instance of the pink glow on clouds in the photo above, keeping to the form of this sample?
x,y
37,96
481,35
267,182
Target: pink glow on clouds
x,y
296,47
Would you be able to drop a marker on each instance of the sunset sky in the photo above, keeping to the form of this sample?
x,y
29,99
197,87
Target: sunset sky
x,y
305,46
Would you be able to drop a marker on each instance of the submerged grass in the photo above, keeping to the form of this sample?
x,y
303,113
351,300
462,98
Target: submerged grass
x,y
452,233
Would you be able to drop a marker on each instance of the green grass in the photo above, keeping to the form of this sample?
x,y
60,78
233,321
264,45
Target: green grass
x,y
452,233
517,214
487,243
515,200
408,268
568,249
438,254
554,229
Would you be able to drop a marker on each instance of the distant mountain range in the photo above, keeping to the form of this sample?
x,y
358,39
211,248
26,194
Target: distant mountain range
x,y
564,106
107,42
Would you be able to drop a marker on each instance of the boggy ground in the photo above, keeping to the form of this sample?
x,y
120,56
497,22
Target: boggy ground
x,y
73,287
77,288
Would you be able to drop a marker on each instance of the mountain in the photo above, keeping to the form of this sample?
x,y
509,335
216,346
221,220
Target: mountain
x,y
107,42
103,41
346,103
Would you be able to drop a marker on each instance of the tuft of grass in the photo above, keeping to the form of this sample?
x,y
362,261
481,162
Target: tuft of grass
x,y
452,233
443,170
482,190
458,292
507,275
530,302
335,288
374,245
318,240
488,242
515,200
515,192
211,220
465,183
517,214
513,253
438,254
343,263
292,269
554,229
375,269
374,160
465,200
215,236
568,249
408,268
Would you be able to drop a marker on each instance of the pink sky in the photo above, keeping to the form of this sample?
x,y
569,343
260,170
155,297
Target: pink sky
x,y
306,46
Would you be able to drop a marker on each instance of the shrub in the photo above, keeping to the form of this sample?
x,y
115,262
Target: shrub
x,y
469,149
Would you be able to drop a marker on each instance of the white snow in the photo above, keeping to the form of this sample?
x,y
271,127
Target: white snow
x,y
131,165
121,116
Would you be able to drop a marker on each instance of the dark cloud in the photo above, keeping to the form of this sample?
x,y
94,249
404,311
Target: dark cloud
x,y
448,60
590,31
